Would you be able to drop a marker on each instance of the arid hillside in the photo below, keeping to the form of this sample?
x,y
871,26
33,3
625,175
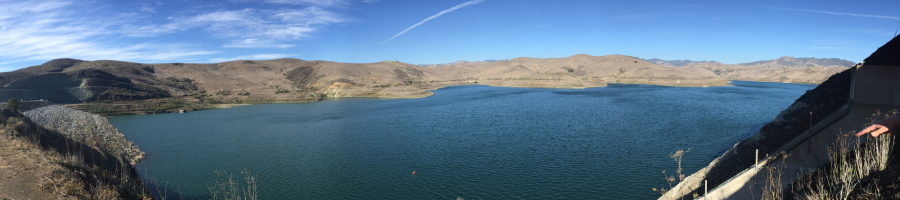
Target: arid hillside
x,y
767,73
784,69
580,71
291,80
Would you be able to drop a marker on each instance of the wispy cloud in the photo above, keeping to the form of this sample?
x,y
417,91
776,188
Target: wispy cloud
x,y
251,57
301,2
145,7
310,2
248,23
468,3
42,30
256,43
837,13
879,32
38,30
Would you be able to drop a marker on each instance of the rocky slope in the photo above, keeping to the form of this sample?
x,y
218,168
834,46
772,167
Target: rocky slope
x,y
87,128
39,162
824,99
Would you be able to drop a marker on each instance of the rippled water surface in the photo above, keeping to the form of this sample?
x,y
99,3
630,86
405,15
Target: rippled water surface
x,y
474,142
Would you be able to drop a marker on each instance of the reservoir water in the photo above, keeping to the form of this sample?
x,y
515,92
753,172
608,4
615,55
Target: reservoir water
x,y
473,142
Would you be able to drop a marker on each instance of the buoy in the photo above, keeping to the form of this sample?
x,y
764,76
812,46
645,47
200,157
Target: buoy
x,y
414,172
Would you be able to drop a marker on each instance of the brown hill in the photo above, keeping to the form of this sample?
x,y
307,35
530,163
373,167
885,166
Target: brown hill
x,y
76,81
580,71
784,69
767,73
787,61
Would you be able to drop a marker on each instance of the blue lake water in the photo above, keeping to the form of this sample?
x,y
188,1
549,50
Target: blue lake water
x,y
473,142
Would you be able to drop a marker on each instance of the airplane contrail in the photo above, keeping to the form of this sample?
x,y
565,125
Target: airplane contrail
x,y
473,2
837,13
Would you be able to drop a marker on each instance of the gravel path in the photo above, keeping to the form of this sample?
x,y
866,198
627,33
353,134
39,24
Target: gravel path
x,y
85,127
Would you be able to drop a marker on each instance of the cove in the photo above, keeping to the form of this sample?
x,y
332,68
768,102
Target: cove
x,y
473,142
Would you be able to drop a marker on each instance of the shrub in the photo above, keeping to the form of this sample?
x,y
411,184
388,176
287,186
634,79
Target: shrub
x,y
229,188
282,91
13,104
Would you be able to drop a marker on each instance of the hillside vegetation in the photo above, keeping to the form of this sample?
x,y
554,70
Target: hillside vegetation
x,y
127,88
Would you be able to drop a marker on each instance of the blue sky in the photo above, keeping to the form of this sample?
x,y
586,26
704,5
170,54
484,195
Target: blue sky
x,y
431,31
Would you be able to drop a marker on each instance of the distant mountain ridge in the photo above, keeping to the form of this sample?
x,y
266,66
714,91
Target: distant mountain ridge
x,y
787,61
674,63
784,61
75,81
459,62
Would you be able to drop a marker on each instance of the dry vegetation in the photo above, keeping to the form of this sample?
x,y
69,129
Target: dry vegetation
x,y
227,187
39,163
42,164
675,179
853,173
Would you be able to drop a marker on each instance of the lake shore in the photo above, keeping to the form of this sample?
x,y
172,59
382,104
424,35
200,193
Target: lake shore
x,y
200,102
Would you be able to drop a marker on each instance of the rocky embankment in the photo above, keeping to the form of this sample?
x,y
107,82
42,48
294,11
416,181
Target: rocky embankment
x,y
91,129
65,154
793,121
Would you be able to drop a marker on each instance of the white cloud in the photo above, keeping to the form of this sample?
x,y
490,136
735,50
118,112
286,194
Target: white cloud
x,y
43,30
147,8
468,3
285,24
326,3
310,16
251,57
846,14
256,43
49,29
310,2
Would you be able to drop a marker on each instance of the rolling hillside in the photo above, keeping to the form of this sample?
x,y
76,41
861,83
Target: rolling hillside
x,y
77,81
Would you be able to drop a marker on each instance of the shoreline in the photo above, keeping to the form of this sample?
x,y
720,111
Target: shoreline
x,y
428,93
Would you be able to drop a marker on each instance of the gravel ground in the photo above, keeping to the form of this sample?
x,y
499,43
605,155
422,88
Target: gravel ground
x,y
88,128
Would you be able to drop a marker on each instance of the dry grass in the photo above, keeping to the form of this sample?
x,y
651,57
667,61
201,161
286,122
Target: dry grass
x,y
848,169
772,189
227,187
67,169
842,177
672,180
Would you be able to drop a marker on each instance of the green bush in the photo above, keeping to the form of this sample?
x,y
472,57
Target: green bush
x,y
13,104
282,90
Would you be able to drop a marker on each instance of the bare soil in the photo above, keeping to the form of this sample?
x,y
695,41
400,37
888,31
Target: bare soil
x,y
23,167
40,163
